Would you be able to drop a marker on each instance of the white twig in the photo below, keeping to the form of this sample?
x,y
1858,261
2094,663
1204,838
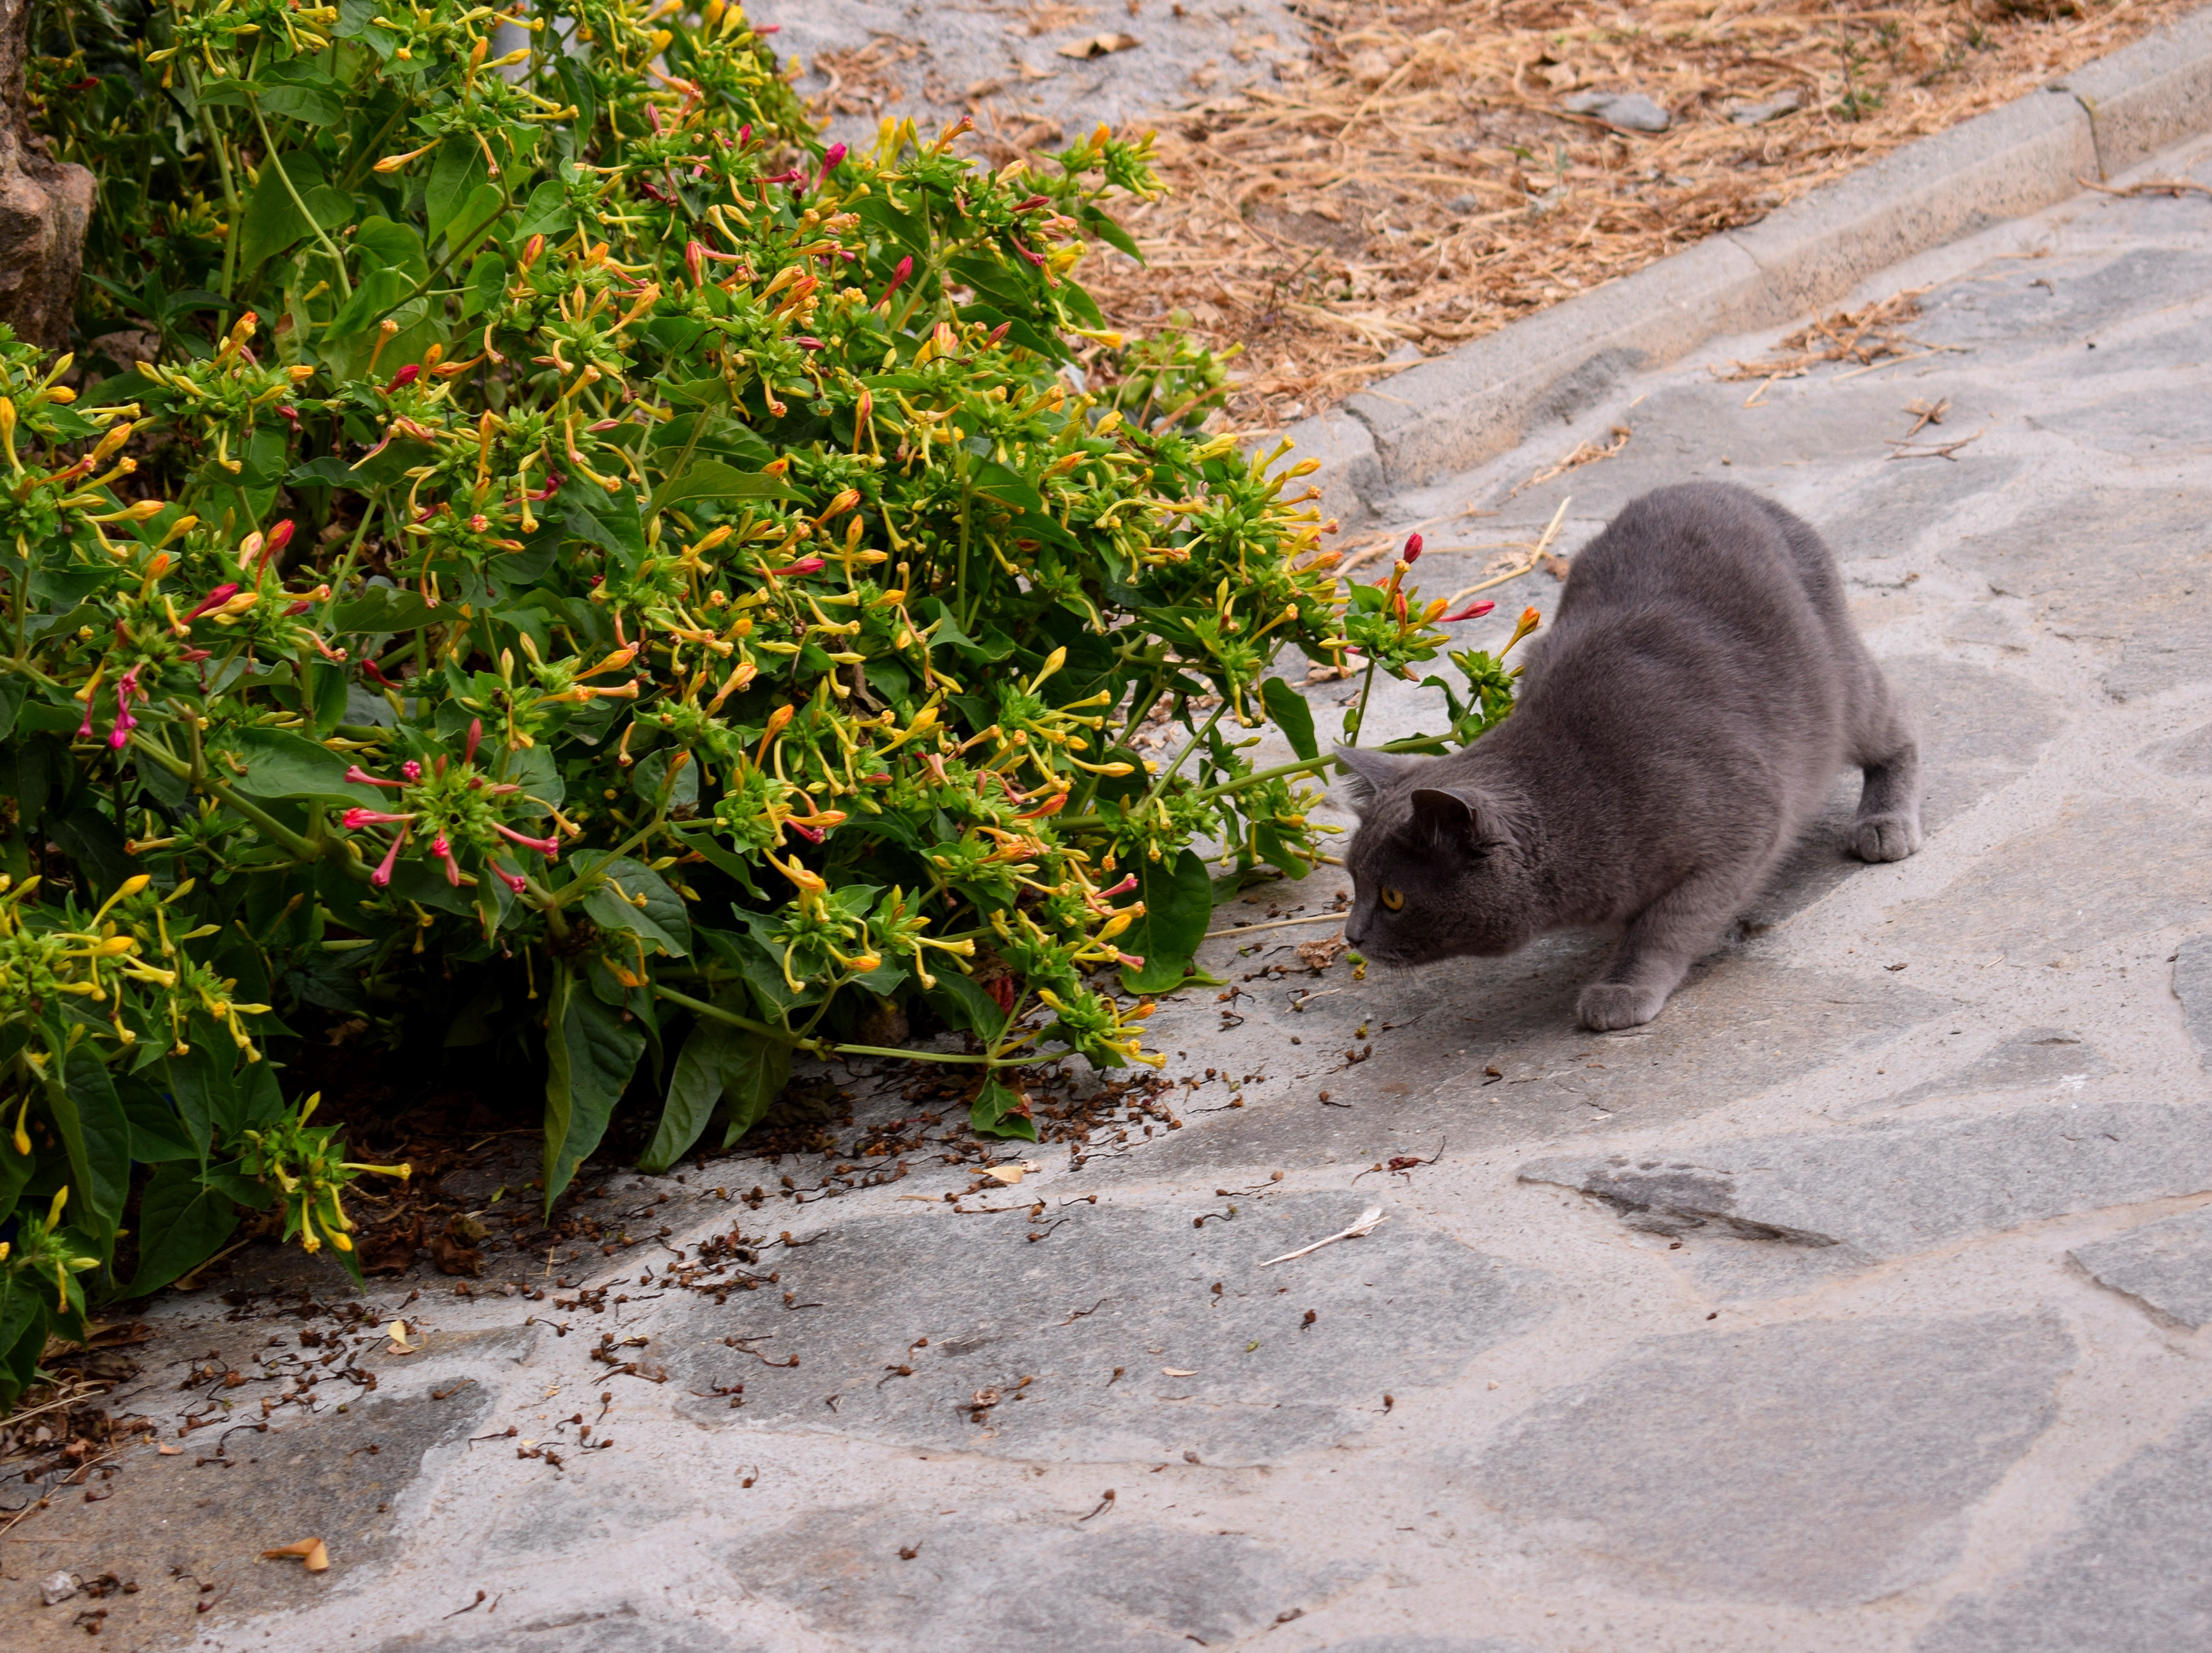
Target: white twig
x,y
1369,1220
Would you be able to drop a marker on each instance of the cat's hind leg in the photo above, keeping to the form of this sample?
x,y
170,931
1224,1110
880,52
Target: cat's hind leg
x,y
1661,944
1888,825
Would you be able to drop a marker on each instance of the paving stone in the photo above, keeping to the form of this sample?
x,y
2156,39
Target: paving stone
x,y
355,1479
2192,985
2076,882
2156,601
2166,1265
1740,1024
1236,1375
2183,754
2036,1059
2132,1574
1816,1464
1429,1644
1844,1197
1979,730
617,1629
1026,1581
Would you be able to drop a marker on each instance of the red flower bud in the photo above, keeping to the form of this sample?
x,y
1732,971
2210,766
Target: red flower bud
x,y
1471,612
406,376
1412,547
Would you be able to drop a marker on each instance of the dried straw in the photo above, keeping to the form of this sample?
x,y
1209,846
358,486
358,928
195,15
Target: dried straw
x,y
1418,184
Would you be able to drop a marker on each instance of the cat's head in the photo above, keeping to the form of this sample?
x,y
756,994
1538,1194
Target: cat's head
x,y
1438,870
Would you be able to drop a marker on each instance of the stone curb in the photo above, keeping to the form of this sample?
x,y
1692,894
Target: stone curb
x,y
1454,413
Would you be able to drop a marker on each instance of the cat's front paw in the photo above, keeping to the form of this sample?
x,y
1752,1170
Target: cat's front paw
x,y
1604,1006
1885,837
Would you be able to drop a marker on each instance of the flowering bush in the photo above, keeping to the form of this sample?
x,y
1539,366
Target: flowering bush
x,y
559,553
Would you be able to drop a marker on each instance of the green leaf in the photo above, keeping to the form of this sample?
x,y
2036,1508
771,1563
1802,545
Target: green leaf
x,y
608,519
455,176
753,1073
158,1133
591,1052
182,1223
694,1088
282,764
711,479
661,919
965,1005
326,695
273,220
300,91
383,609
998,1111
1178,906
97,1133
25,1300
1293,716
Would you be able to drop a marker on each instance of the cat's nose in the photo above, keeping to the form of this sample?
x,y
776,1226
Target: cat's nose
x,y
1354,931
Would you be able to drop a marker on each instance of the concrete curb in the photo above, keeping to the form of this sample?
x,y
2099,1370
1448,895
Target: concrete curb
x,y
1454,413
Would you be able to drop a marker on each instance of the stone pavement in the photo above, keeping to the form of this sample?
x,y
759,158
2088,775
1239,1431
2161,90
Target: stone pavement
x,y
1007,62
1854,1306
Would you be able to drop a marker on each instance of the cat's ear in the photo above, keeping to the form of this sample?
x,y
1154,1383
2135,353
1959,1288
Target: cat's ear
x,y
1449,819
1366,772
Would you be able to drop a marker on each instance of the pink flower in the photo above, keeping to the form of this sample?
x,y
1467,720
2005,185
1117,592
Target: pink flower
x,y
382,876
1122,888
548,848
444,852
279,538
1413,548
406,376
1131,959
1471,612
214,599
832,160
812,835
513,881
475,734
360,777
804,565
355,819
899,271
411,770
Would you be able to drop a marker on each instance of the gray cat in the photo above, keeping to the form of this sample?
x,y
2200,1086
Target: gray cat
x,y
1675,733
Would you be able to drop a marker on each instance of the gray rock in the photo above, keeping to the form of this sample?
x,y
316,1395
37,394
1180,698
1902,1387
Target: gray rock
x,y
1892,1187
2192,985
57,1588
1818,1464
2166,1265
1038,1582
2133,1573
617,1629
1632,110
2188,754
1105,1338
2077,881
2038,1059
1752,114
1739,1023
1428,1645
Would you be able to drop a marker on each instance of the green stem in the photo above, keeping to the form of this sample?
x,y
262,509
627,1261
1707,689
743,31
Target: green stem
x,y
269,157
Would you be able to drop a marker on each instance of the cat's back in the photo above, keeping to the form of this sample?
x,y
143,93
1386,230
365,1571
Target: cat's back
x,y
1708,551
1703,605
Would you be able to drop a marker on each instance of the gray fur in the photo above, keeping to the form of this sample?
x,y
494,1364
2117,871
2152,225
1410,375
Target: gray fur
x,y
1676,731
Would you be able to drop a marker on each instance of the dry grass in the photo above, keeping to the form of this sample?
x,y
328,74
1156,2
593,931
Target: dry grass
x,y
1418,185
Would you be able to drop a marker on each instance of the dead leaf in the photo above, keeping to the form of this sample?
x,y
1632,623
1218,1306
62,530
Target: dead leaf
x,y
1320,954
310,1551
398,1332
1008,1174
169,1451
1098,45
1176,1371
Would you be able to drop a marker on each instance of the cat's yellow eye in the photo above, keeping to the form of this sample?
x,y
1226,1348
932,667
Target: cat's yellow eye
x,y
1392,899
